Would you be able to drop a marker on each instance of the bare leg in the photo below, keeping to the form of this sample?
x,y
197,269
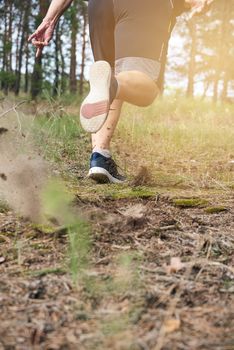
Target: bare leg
x,y
102,138
134,87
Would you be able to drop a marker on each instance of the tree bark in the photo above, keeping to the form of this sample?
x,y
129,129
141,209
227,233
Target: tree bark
x,y
221,52
36,81
73,58
84,42
192,60
26,80
56,80
21,47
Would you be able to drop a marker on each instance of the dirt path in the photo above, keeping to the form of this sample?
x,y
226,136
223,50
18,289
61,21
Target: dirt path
x,y
144,302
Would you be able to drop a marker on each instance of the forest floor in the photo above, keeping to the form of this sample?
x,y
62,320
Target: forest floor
x,y
160,272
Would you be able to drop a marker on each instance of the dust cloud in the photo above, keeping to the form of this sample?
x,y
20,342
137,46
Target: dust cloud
x,y
23,172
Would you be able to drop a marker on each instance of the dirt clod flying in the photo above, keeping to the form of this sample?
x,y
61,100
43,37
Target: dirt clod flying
x,y
3,176
23,179
143,177
3,130
22,171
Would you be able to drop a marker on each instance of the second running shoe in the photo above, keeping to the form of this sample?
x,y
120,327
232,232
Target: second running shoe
x,y
103,88
104,170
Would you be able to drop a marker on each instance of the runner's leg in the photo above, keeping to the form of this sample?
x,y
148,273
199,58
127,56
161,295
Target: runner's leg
x,y
102,138
136,88
102,28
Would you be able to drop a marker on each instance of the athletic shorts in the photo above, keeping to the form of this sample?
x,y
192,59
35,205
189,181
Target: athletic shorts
x,y
130,34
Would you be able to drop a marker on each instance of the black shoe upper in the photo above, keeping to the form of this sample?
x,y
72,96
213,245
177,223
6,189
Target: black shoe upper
x,y
107,163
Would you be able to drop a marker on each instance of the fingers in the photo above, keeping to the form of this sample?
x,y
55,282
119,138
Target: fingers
x,y
40,43
35,34
32,36
42,36
39,51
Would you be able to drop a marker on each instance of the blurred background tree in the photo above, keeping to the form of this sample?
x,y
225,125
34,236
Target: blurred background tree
x,y
201,52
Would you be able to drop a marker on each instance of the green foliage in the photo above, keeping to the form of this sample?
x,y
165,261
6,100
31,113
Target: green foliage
x,y
135,192
215,209
57,135
189,202
80,243
184,141
213,52
57,205
56,201
7,78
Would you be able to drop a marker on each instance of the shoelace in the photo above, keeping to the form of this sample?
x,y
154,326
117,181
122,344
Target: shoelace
x,y
113,166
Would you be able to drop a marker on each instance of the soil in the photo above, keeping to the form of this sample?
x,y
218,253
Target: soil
x,y
151,302
160,272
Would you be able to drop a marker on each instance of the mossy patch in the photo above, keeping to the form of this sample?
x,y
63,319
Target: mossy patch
x,y
135,192
190,202
215,209
44,228
50,230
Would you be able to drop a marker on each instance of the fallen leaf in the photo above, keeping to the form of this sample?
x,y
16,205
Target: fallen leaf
x,y
171,325
2,259
175,265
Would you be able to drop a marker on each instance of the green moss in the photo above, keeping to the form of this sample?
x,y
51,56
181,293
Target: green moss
x,y
215,210
136,192
44,228
190,202
40,246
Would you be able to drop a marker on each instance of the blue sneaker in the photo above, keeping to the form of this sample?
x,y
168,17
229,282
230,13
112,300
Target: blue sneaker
x,y
104,170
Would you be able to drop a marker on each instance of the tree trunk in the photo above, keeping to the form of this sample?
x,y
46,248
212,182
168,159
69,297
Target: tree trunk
x,y
4,83
21,47
36,81
192,61
56,80
63,75
84,42
221,52
224,95
161,78
73,59
26,67
10,34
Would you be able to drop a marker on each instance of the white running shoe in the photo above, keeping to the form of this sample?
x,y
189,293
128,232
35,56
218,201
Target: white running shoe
x,y
95,107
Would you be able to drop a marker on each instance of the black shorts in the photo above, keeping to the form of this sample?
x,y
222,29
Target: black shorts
x,y
130,34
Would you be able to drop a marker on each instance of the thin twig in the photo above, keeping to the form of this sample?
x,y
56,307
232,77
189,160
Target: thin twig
x,y
18,119
13,108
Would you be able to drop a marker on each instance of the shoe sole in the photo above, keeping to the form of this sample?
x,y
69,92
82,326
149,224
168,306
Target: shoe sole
x,y
102,176
95,107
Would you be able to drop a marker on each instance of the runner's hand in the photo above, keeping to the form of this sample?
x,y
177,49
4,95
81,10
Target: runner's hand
x,y
42,36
